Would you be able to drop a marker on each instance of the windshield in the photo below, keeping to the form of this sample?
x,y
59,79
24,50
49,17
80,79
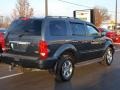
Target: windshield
x,y
106,30
26,26
2,31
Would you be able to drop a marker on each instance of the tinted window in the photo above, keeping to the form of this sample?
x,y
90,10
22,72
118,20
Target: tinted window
x,y
78,29
3,31
58,28
26,26
92,31
106,30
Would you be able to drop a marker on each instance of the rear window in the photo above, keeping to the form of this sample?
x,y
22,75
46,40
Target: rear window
x,y
26,26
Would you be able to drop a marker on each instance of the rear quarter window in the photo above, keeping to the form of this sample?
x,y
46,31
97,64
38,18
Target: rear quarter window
x,y
58,28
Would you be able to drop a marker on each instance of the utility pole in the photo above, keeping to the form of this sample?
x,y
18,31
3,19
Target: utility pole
x,y
46,7
1,19
116,15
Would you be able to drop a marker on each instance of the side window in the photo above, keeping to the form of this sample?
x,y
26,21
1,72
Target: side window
x,y
78,29
58,28
37,26
92,31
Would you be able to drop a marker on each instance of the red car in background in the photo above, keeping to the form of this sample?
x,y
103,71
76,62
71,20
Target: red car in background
x,y
111,34
2,42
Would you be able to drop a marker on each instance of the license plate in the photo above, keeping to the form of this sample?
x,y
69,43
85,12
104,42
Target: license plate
x,y
19,46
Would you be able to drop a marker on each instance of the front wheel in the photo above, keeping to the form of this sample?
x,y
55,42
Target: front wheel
x,y
108,56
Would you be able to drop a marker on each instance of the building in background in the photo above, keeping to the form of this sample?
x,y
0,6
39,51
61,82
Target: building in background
x,y
86,15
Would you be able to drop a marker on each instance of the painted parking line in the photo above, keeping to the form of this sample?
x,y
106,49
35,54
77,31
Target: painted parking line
x,y
9,76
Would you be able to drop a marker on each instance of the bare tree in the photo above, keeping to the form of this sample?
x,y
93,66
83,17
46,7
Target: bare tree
x,y
101,14
5,22
23,9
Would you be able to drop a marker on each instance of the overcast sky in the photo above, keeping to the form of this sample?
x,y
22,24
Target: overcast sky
x,y
58,8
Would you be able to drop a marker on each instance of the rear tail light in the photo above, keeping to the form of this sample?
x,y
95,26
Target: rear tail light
x,y
2,42
109,34
43,50
116,38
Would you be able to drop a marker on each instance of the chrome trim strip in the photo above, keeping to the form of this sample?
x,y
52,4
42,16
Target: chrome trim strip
x,y
19,56
89,62
19,42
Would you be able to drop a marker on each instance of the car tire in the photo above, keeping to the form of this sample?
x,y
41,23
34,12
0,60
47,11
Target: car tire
x,y
108,56
65,68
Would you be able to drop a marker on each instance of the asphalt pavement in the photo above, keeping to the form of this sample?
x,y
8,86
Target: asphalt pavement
x,y
91,77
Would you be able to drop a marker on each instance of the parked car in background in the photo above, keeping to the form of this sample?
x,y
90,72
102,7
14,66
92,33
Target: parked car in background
x,y
3,31
116,40
108,33
111,34
2,42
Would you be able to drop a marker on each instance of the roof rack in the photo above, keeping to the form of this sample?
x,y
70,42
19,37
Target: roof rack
x,y
61,17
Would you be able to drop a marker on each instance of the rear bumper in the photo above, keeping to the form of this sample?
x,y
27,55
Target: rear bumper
x,y
27,61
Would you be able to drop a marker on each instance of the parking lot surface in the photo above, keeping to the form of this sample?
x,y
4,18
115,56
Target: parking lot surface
x,y
90,77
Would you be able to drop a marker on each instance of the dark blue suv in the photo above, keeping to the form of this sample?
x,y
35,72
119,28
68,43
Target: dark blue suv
x,y
56,44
